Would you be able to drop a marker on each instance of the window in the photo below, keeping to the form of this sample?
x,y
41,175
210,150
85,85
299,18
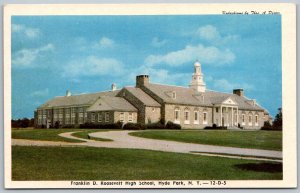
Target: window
x,y
121,117
196,117
153,109
205,118
177,115
130,117
186,117
106,117
80,118
93,117
99,117
243,119
217,110
256,120
174,95
250,120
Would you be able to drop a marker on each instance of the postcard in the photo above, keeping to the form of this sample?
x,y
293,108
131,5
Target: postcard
x,y
150,96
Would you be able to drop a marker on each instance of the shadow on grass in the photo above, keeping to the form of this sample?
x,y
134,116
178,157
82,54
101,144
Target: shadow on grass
x,y
261,167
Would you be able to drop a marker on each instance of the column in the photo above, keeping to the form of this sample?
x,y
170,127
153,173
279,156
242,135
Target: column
x,y
221,120
232,116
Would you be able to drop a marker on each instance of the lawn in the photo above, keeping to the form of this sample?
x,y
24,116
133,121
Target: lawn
x,y
84,135
270,140
88,163
52,134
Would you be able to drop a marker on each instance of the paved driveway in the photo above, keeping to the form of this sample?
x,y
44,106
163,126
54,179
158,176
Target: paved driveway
x,y
121,139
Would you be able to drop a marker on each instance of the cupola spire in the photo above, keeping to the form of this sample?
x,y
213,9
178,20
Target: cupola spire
x,y
197,82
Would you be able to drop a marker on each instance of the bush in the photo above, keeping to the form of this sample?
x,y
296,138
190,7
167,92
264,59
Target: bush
x,y
68,126
215,127
267,126
101,126
134,126
171,125
157,125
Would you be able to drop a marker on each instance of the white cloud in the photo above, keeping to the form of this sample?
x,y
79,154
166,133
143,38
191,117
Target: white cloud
x,y
208,32
26,57
27,31
93,66
158,43
211,34
106,42
209,55
40,93
225,85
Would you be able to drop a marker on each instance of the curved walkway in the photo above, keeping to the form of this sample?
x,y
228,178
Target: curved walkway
x,y
121,139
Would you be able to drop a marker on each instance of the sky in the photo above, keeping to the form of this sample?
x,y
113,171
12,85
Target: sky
x,y
86,54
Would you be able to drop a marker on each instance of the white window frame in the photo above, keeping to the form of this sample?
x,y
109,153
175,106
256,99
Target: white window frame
x,y
106,117
243,119
122,117
186,116
93,117
130,117
177,119
204,118
99,117
256,120
196,115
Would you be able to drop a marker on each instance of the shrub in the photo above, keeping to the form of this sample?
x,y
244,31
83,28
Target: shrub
x,y
267,126
68,126
134,126
215,127
101,126
157,125
171,125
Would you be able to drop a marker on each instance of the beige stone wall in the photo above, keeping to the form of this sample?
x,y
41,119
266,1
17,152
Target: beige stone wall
x,y
191,124
126,117
251,125
145,113
152,114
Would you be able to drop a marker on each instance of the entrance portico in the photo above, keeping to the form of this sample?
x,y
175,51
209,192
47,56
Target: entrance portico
x,y
226,113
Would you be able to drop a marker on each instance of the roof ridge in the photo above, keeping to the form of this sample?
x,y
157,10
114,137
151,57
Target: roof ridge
x,y
169,85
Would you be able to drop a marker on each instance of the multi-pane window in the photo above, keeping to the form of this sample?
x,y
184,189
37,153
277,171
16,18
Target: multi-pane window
x,y
256,120
196,117
99,117
93,117
106,117
176,115
60,115
204,117
186,117
243,119
80,118
40,117
130,117
67,116
250,120
122,117
73,115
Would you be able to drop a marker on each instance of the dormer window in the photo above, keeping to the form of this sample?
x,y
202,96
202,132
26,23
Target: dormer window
x,y
174,95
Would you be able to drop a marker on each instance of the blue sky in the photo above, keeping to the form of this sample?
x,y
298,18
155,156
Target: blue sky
x,y
85,54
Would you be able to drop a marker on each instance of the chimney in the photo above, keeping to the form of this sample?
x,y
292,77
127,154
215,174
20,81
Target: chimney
x,y
113,87
239,92
141,80
68,93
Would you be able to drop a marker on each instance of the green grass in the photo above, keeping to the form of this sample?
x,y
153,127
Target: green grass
x,y
52,134
88,163
270,140
84,135
43,134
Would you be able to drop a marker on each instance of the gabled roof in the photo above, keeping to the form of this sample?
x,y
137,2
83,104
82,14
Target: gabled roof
x,y
188,96
184,95
107,103
142,96
77,100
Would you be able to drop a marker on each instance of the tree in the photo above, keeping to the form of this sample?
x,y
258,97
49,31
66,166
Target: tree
x,y
277,123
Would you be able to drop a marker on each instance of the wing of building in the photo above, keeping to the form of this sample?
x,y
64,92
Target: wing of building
x,y
193,107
